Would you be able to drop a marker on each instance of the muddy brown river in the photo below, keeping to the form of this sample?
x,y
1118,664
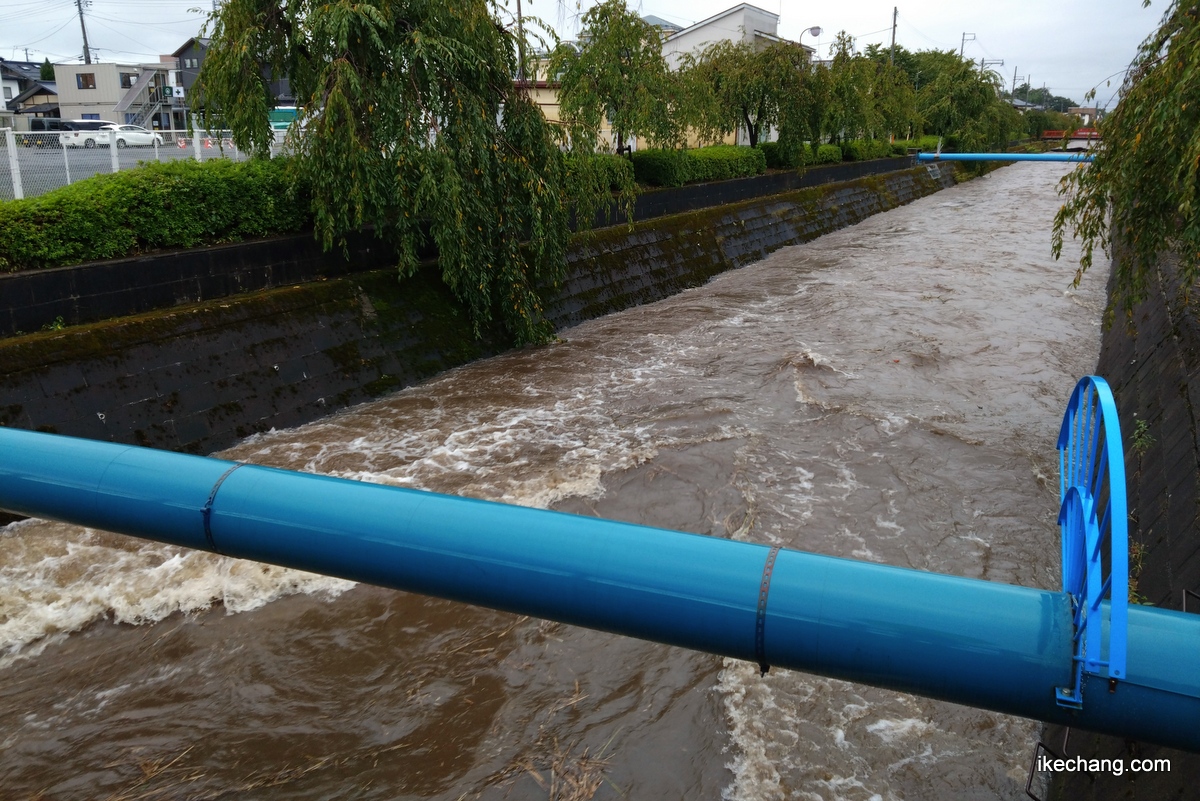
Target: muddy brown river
x,y
889,393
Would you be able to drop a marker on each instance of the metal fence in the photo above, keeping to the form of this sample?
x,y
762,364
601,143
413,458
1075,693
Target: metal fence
x,y
32,164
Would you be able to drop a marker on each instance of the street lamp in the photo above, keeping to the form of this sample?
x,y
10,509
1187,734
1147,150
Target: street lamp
x,y
813,31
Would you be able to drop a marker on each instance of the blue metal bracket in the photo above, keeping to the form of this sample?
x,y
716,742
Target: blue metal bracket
x,y
1092,515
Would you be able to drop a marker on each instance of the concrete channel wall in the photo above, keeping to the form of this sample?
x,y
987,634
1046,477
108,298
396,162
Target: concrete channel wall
x,y
88,293
199,377
1154,370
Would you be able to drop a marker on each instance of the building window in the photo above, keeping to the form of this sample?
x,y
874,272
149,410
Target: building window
x,y
86,80
90,117
128,79
8,93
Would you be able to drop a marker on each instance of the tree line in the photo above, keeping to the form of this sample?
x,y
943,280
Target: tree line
x,y
415,121
616,73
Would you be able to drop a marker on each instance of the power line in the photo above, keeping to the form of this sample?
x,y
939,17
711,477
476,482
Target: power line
x,y
47,36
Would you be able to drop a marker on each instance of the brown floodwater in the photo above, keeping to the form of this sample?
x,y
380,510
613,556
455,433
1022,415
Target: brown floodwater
x,y
890,392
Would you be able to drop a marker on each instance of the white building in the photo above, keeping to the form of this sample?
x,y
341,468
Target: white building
x,y
742,23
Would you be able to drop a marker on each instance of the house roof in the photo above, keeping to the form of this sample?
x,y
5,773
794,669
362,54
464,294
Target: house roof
x,y
726,13
40,108
202,41
25,70
38,87
659,22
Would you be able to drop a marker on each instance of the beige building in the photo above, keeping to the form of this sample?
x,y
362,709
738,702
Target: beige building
x,y
127,94
92,91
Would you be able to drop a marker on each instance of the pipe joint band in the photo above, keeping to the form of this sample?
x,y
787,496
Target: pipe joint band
x,y
760,624
208,505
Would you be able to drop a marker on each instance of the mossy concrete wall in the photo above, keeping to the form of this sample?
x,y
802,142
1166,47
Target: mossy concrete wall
x,y
1154,371
199,377
87,293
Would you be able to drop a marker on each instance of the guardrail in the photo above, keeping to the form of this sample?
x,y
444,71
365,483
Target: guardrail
x,y
32,164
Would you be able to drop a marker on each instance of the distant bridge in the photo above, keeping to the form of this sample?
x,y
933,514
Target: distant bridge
x,y
1077,139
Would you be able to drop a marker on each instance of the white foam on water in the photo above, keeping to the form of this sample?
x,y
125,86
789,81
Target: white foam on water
x,y
755,775
57,579
892,730
534,446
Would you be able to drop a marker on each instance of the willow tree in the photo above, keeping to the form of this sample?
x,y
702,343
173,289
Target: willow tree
x,y
615,74
1139,194
957,101
849,113
410,123
736,85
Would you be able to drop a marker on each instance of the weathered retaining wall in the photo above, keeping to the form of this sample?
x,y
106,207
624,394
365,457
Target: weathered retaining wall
x,y
199,377
89,293
1154,371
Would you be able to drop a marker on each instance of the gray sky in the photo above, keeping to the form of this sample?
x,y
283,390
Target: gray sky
x,y
1069,46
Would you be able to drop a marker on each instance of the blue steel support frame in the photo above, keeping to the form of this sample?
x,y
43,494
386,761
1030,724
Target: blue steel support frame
x,y
1094,515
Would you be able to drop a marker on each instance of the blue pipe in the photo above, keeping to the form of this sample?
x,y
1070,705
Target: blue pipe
x,y
1003,157
972,642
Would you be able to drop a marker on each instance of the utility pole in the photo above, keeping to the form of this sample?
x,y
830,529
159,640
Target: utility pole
x,y
984,63
895,15
520,45
87,51
1013,93
962,48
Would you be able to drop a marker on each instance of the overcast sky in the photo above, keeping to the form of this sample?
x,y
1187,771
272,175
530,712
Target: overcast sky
x,y
1068,46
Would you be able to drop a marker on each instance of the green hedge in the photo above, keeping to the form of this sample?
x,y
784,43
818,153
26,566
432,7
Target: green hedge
x,y
927,144
865,149
829,154
679,167
178,204
779,157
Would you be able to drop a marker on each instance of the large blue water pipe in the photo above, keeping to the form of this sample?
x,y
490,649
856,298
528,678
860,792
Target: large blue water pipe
x,y
1010,649
1004,157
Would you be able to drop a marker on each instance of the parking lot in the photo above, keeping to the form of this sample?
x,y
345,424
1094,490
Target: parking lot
x,y
44,164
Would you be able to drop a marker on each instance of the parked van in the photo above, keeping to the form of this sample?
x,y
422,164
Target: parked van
x,y
84,133
43,131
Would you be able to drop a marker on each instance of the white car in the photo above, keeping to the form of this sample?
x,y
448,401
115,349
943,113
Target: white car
x,y
132,136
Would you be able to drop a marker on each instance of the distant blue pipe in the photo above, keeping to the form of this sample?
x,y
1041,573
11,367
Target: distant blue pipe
x,y
973,642
1003,157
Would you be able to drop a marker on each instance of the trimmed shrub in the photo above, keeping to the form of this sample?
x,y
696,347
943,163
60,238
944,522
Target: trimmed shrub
x,y
178,204
722,162
780,157
678,167
927,144
660,167
772,155
864,149
829,154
